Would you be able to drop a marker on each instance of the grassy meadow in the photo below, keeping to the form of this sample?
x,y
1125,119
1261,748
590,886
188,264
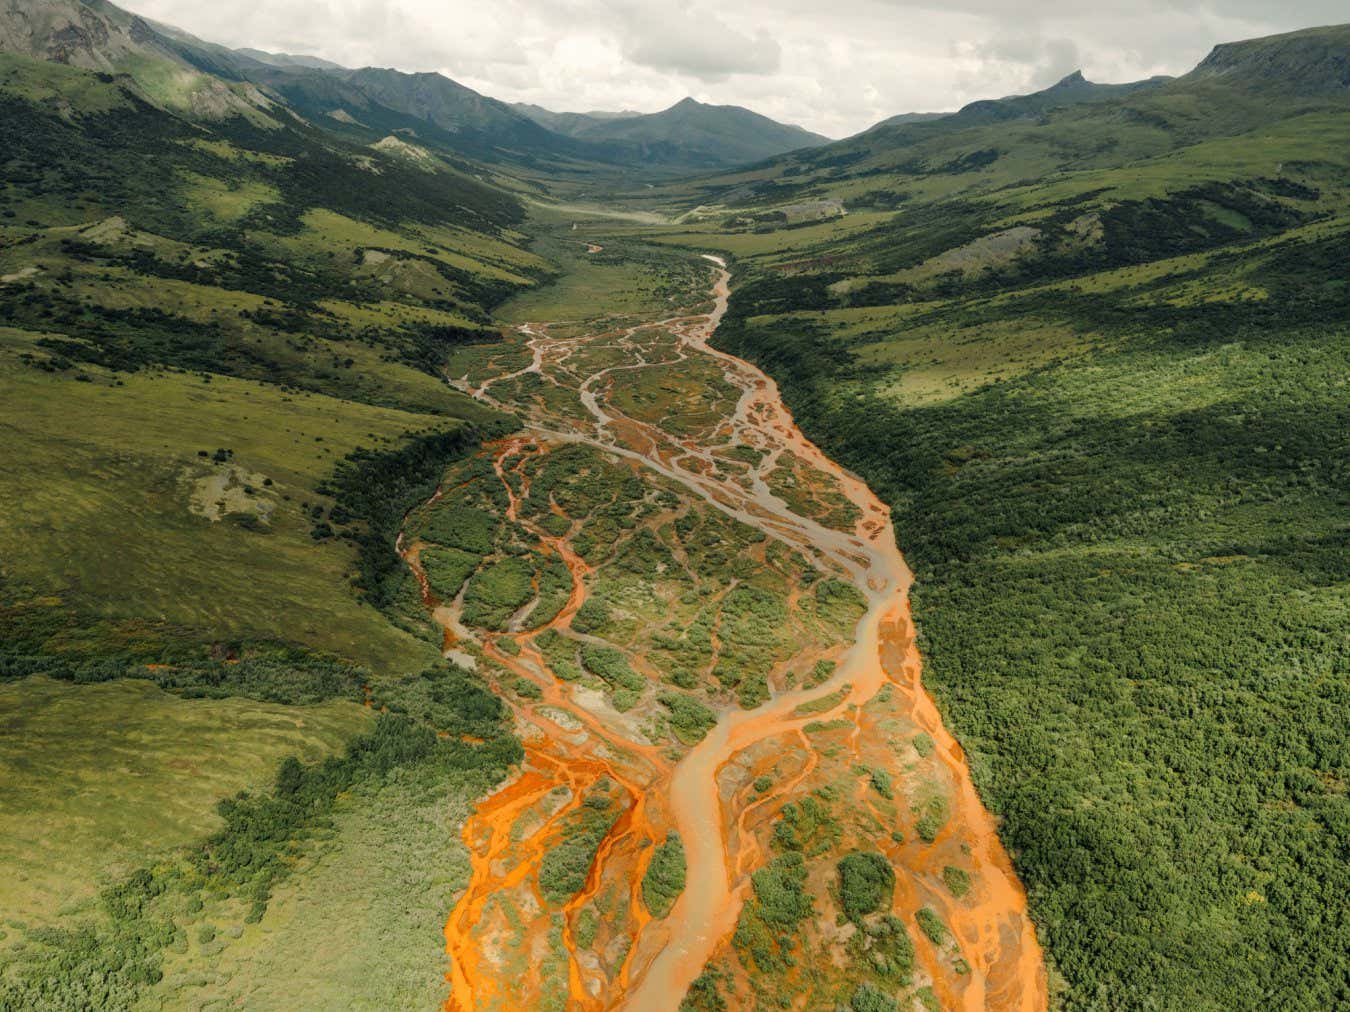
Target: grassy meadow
x,y
220,390
105,777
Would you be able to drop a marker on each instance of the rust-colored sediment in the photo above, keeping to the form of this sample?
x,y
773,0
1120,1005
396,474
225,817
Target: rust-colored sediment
x,y
724,837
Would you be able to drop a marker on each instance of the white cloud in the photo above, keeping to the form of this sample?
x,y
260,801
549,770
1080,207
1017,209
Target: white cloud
x,y
835,68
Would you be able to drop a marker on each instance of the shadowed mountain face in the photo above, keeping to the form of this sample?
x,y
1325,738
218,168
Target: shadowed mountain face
x,y
688,135
288,59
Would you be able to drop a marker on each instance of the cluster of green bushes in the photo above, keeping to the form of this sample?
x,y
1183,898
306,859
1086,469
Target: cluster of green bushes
x,y
561,653
41,637
866,884
610,665
931,925
563,869
957,880
766,933
664,880
554,588
467,528
497,592
882,952
690,720
373,490
447,569
592,616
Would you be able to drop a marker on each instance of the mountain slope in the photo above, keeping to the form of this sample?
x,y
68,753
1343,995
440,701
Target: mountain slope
x,y
96,35
288,59
133,241
907,117
1073,89
1315,61
221,388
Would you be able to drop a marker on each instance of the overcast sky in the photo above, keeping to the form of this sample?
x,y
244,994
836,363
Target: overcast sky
x,y
834,66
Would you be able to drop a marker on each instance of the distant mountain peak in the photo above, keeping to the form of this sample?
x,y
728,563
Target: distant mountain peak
x,y
1074,80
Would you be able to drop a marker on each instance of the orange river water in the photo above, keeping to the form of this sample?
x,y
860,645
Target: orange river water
x,y
996,935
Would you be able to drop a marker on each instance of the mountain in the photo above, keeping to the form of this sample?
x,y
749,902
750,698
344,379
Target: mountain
x,y
288,60
907,117
1074,124
180,71
1314,62
97,35
698,135
689,133
447,112
570,123
1073,89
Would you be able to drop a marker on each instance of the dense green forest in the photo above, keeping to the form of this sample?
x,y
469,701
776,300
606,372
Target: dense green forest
x,y
1130,570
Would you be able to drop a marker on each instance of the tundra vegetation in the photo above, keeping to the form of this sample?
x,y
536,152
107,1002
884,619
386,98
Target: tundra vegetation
x,y
1090,346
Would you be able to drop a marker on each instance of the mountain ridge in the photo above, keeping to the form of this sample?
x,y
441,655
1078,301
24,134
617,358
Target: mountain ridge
x,y
201,78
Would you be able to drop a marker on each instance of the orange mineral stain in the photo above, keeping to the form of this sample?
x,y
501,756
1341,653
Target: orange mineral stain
x,y
572,747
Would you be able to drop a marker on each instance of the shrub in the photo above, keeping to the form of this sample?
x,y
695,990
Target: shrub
x,y
689,719
868,999
592,616
957,880
664,880
866,884
931,925
497,592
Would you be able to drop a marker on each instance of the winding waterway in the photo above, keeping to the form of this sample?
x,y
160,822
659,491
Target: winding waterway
x,y
991,927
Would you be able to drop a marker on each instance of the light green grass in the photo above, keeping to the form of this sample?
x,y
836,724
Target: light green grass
x,y
358,929
97,504
101,778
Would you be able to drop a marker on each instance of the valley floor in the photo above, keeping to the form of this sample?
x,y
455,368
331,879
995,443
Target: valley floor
x,y
713,671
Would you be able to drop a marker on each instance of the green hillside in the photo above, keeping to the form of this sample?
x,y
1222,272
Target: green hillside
x,y
1095,358
220,388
